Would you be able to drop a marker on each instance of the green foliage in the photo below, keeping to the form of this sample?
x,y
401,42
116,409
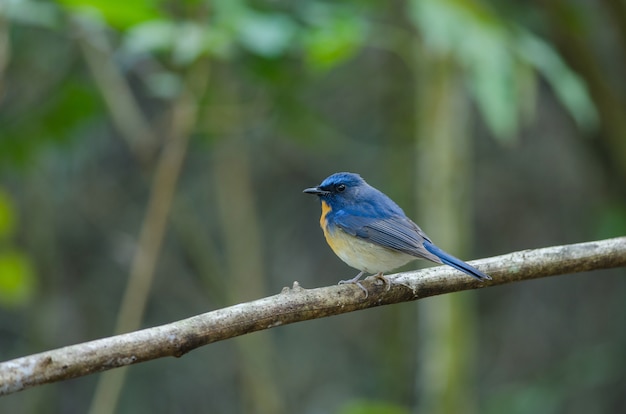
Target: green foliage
x,y
7,216
32,13
58,116
266,34
17,278
120,14
567,85
183,41
332,35
496,57
335,35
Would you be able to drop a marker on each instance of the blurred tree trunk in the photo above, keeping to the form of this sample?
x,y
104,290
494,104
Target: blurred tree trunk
x,y
571,35
240,228
184,114
446,323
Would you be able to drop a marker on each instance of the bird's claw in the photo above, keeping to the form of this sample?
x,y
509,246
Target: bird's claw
x,y
385,280
354,282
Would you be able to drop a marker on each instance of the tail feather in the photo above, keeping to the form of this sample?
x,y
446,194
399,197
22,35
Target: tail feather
x,y
456,263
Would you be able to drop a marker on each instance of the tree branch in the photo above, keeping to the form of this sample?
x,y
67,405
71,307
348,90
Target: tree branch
x,y
297,304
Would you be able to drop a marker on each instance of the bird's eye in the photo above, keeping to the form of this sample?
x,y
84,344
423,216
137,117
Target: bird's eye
x,y
340,188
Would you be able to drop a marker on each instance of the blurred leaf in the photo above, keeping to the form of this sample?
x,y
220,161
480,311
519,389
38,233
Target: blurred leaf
x,y
35,13
493,84
335,35
149,37
58,115
164,84
495,57
474,38
186,41
17,279
568,86
266,34
372,407
118,13
7,215
189,44
219,41
74,104
229,9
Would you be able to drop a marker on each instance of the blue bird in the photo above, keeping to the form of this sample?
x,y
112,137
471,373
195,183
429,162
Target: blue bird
x,y
371,233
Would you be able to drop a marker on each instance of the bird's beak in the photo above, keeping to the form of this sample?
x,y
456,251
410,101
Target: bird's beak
x,y
315,190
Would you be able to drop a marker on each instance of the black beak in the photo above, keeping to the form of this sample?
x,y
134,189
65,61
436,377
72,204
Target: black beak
x,y
315,190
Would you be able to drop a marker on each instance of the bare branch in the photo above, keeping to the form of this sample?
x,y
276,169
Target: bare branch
x,y
298,304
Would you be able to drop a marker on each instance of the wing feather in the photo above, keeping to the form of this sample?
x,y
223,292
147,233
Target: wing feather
x,y
395,232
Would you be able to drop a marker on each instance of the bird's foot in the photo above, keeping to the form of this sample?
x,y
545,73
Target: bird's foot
x,y
355,281
385,280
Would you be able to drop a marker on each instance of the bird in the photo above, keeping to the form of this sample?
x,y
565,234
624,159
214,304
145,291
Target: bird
x,y
370,232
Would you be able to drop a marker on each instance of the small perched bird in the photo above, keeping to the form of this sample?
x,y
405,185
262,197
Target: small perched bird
x,y
371,233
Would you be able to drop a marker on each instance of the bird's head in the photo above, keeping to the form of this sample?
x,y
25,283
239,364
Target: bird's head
x,y
340,189
348,191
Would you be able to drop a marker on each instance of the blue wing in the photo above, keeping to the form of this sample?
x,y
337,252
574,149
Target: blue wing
x,y
400,233
395,232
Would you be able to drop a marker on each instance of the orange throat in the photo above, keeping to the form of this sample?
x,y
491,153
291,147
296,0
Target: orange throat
x,y
325,210
324,225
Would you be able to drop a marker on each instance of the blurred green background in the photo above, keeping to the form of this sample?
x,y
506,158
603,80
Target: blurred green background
x,y
152,157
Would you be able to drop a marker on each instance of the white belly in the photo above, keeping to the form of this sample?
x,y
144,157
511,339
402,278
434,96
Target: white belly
x,y
363,255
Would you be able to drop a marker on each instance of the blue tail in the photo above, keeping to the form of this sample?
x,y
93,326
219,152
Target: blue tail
x,y
454,262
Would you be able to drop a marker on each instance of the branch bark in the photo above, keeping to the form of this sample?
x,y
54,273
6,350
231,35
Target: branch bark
x,y
297,304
